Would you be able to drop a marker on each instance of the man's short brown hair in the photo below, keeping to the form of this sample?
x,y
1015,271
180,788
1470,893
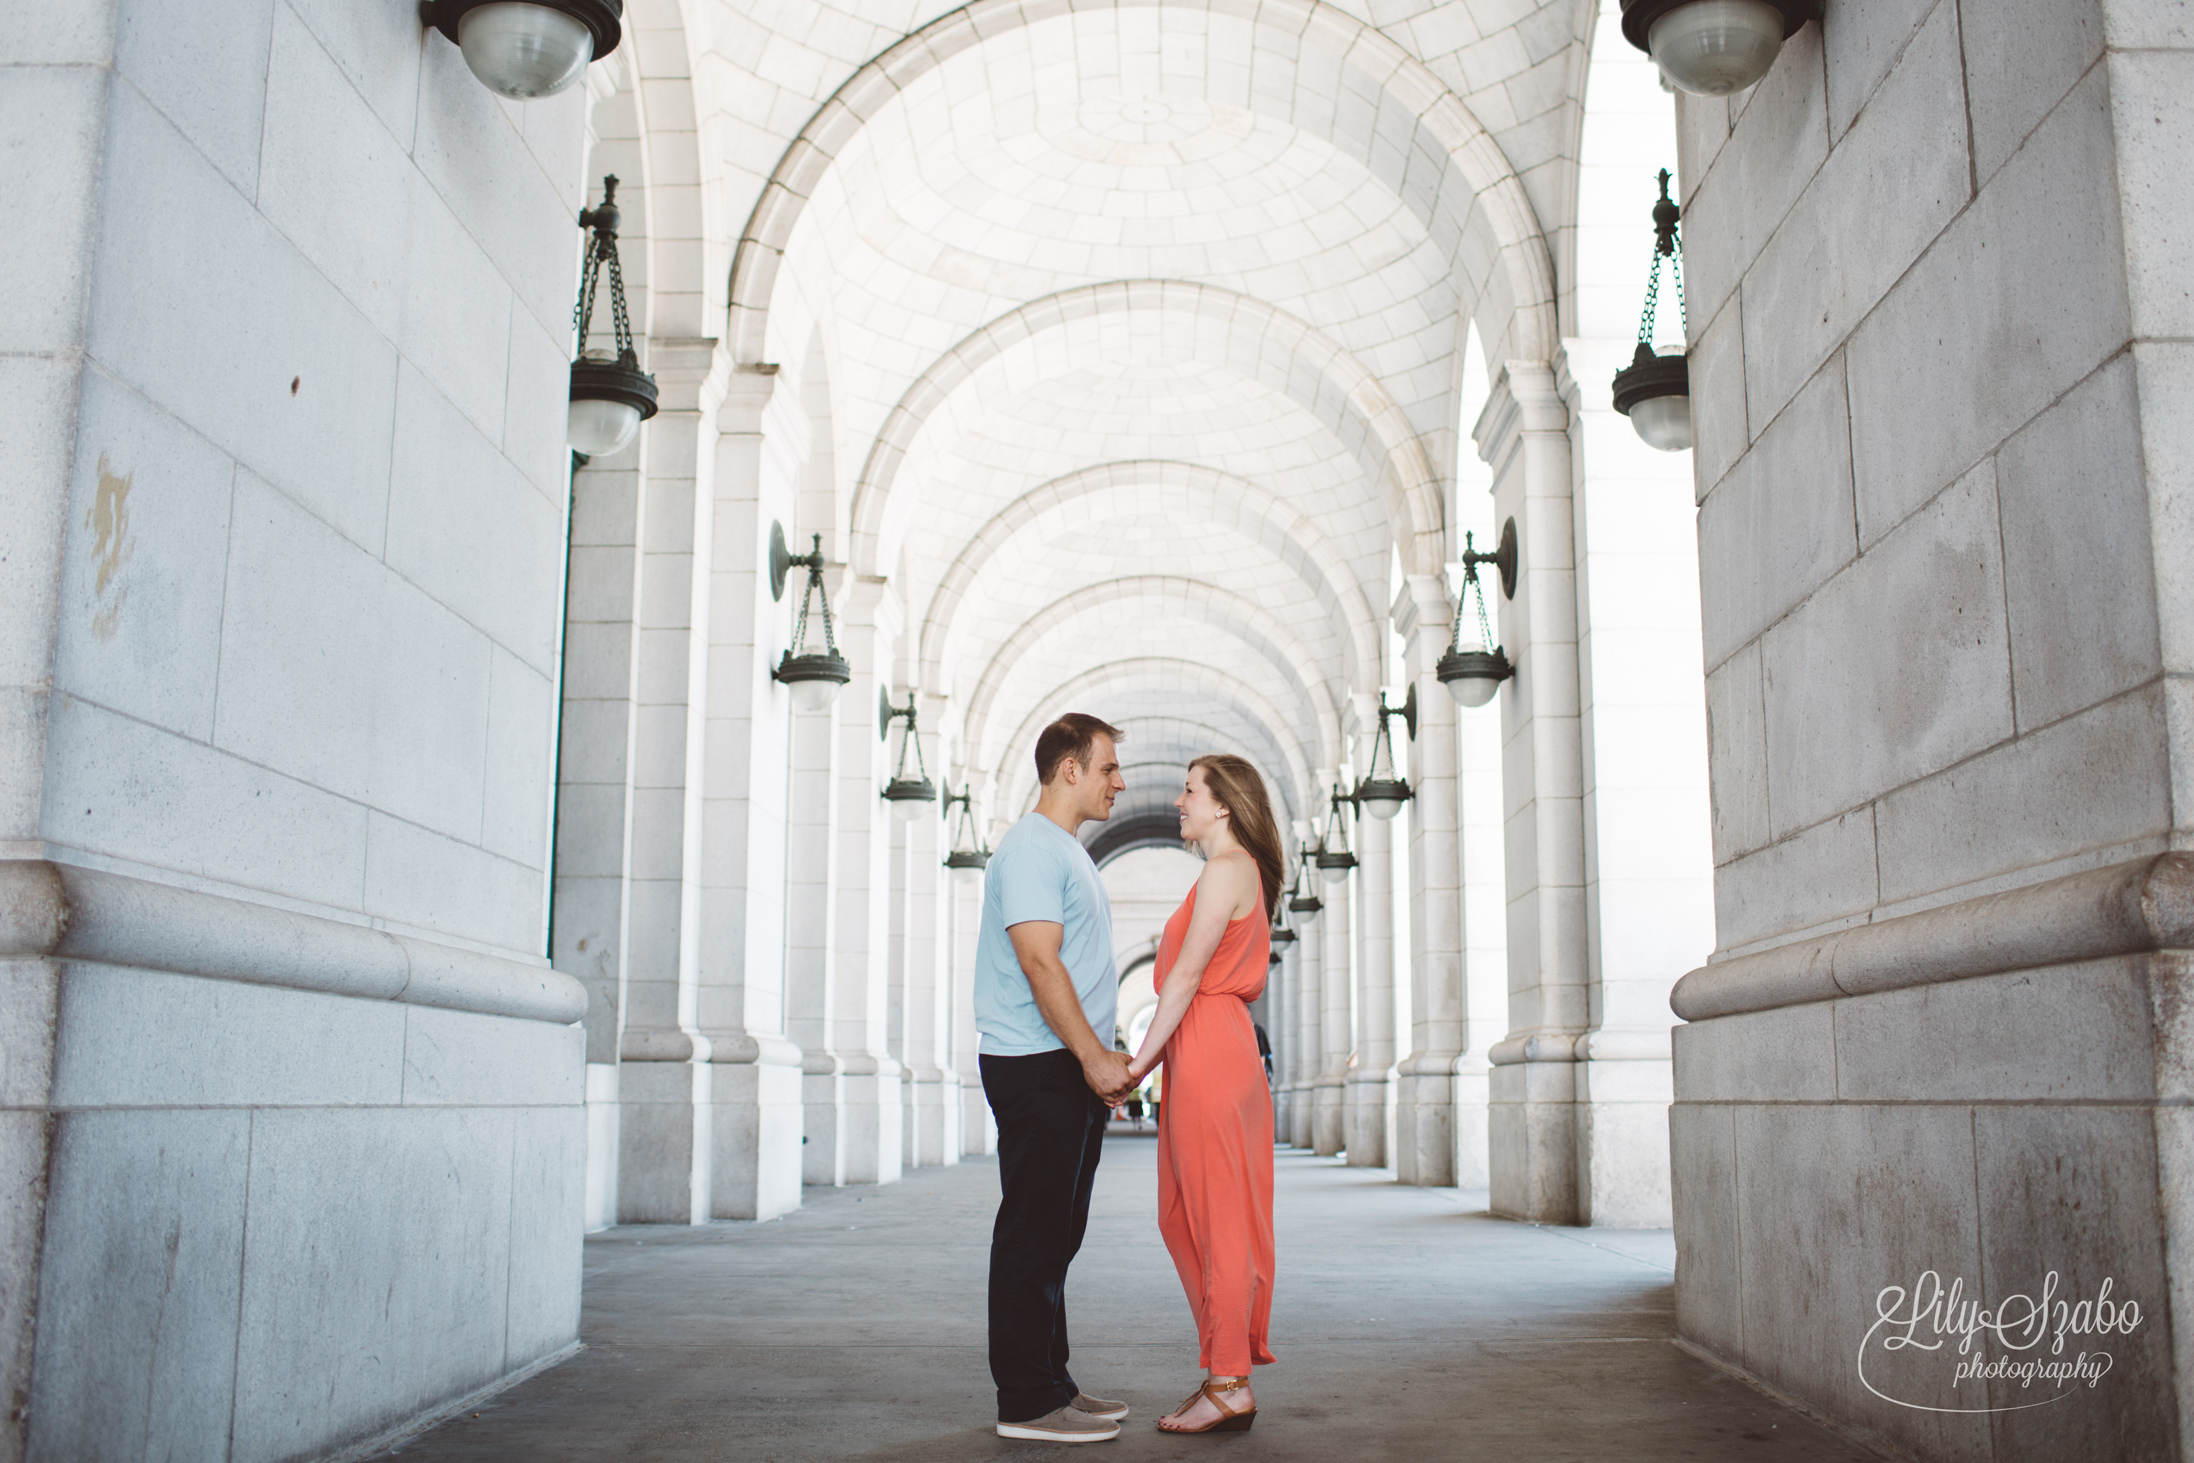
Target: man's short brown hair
x,y
1072,735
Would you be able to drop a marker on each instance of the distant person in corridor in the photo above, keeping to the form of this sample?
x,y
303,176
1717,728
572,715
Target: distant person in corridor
x,y
1045,988
1215,1145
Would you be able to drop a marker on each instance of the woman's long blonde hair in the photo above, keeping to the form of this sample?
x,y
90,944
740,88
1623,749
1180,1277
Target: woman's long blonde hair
x,y
1241,791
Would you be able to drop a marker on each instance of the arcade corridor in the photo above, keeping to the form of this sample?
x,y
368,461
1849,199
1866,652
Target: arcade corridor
x,y
853,1329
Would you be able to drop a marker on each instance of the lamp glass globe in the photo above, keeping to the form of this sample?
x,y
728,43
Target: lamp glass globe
x,y
1663,422
1383,809
967,876
1473,690
598,428
1335,876
815,695
1711,48
524,51
906,810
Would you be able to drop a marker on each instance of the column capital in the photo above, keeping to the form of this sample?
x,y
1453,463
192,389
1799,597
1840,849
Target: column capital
x,y
1423,616
689,371
1524,400
747,393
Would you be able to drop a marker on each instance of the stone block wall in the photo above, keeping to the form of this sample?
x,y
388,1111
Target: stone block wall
x,y
1939,299
279,626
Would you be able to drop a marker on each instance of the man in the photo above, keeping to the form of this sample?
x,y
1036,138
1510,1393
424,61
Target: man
x,y
1046,1001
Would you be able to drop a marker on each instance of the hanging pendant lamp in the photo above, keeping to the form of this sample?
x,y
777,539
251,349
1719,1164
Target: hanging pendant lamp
x,y
815,677
1472,673
610,397
1654,391
1711,48
524,49
907,795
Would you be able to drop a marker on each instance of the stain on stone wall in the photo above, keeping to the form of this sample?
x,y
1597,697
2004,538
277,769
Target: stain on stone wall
x,y
109,521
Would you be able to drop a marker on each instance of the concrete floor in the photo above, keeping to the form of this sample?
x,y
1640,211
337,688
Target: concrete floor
x,y
1407,1327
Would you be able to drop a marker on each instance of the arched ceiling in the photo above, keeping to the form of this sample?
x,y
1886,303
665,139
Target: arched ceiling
x,y
1142,325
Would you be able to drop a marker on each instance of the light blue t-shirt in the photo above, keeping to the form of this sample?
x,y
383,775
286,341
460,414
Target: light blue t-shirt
x,y
1041,872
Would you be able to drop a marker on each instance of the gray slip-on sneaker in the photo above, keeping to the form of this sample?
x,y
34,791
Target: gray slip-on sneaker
x,y
1103,1407
1067,1425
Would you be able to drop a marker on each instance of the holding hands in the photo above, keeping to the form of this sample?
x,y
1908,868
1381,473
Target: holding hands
x,y
1107,1074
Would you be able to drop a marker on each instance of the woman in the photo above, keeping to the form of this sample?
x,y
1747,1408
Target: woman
x,y
1215,1145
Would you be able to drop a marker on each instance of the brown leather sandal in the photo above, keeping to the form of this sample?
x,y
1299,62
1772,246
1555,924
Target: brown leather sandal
x,y
1229,1419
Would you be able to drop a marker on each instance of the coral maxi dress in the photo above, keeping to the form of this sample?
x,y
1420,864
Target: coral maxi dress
x,y
1215,1147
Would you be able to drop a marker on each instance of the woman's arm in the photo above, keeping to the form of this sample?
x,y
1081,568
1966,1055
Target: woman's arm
x,y
1222,886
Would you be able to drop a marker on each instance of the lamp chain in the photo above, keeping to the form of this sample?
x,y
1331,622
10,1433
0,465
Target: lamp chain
x,y
1666,244
807,597
899,773
601,250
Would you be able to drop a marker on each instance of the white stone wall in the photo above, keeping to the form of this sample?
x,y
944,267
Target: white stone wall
x,y
1939,285
293,396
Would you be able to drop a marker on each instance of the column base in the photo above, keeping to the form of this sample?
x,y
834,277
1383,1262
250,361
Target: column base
x,y
1329,1122
822,1099
1531,1125
1472,1085
924,1089
978,1130
1622,1140
872,1119
1367,1120
755,1128
1424,1121
663,1149
602,1114
1302,1119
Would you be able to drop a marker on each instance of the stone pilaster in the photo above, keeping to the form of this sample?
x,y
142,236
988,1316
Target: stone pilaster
x,y
869,624
1425,1118
1329,1126
933,1111
1306,1044
736,752
810,927
1523,434
1368,1079
662,1079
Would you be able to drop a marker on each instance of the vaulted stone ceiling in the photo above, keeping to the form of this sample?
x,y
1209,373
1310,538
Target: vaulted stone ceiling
x,y
1142,327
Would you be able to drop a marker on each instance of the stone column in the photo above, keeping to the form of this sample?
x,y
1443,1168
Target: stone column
x,y
870,621
1306,1045
1946,541
925,1020
1485,933
811,906
1425,1119
1649,873
736,758
1329,1127
1523,434
616,506
662,1073
1367,1080
966,896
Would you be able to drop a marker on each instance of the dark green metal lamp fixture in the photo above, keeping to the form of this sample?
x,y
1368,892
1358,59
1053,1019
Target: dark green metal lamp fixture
x,y
523,49
1472,673
610,396
968,858
905,794
1711,48
1382,797
1654,391
1332,856
815,677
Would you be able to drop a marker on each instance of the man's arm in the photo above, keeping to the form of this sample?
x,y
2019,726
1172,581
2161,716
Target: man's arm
x,y
1036,946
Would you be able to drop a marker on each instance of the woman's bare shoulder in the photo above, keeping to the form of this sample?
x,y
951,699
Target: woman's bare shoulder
x,y
1232,874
